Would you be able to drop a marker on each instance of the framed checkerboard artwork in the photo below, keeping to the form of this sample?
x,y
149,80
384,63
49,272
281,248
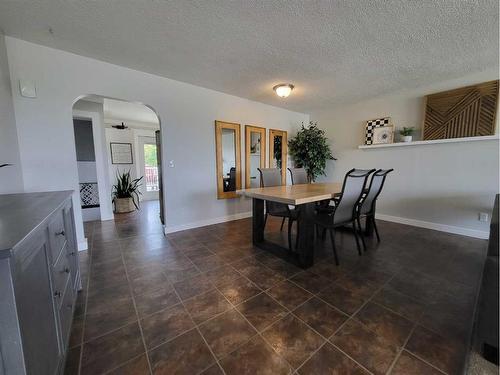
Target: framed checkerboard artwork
x,y
372,124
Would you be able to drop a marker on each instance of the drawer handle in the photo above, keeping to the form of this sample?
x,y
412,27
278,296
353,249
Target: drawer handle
x,y
66,270
61,233
72,253
57,294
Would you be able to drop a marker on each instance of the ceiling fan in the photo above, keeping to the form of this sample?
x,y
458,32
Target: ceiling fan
x,y
121,127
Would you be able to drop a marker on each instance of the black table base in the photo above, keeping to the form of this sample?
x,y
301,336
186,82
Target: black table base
x,y
303,256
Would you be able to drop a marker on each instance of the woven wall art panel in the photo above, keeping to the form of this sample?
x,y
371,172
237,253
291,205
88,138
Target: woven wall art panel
x,y
465,112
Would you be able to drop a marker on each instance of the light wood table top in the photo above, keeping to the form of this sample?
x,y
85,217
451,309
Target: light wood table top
x,y
294,194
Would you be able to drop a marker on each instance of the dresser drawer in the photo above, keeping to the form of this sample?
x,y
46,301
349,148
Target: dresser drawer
x,y
71,246
60,274
66,315
57,235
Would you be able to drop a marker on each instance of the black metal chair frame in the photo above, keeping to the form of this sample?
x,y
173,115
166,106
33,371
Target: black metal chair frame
x,y
331,228
370,215
287,214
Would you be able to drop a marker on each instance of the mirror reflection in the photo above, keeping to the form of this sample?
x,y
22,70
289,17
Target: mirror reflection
x,y
278,151
277,154
227,140
255,155
229,160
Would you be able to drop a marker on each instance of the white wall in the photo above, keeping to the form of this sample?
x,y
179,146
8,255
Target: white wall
x,y
444,184
10,177
187,114
120,136
94,112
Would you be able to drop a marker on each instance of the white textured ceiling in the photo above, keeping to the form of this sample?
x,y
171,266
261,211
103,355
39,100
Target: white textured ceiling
x,y
333,51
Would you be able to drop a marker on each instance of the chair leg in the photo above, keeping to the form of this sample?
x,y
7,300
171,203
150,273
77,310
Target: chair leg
x,y
375,227
332,238
290,223
282,222
297,236
355,231
361,234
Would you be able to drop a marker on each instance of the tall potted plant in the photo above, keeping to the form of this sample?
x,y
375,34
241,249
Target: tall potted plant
x,y
310,149
126,192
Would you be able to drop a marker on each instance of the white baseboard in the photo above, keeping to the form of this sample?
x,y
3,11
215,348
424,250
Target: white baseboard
x,y
395,219
436,226
83,245
203,223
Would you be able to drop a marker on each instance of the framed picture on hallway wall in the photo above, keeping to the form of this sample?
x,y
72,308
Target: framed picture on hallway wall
x,y
121,153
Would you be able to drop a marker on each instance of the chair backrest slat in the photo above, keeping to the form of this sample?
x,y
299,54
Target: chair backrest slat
x,y
374,190
352,192
298,175
272,177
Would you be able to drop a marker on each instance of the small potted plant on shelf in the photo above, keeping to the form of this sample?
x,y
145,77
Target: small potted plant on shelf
x,y
406,133
126,192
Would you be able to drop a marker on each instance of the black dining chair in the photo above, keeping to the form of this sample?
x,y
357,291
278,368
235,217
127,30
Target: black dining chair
x,y
345,210
366,208
272,177
298,175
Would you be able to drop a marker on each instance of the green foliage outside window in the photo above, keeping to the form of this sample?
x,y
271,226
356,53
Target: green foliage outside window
x,y
150,156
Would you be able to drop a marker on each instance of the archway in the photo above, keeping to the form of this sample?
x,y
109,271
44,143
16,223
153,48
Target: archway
x,y
131,130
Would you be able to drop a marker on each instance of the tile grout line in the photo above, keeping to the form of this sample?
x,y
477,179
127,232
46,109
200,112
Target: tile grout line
x,y
123,364
87,286
351,317
135,308
288,310
199,332
258,333
425,361
234,307
371,299
242,275
395,360
215,287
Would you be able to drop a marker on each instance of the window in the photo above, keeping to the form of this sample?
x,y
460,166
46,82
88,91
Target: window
x,y
150,167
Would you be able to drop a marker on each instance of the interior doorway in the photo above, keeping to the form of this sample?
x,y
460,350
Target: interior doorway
x,y
148,167
124,137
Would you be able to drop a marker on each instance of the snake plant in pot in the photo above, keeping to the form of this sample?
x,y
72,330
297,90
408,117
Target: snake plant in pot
x,y
310,149
126,192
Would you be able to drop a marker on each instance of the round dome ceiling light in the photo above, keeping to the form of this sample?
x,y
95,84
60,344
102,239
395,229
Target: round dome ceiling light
x,y
283,90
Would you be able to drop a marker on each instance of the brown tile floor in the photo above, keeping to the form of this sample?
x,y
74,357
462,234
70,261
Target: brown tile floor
x,y
206,301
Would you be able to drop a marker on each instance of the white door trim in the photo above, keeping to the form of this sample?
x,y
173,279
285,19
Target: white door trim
x,y
101,162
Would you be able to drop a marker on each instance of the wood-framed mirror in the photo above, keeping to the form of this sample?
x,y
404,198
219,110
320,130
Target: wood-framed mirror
x,y
278,151
228,157
255,154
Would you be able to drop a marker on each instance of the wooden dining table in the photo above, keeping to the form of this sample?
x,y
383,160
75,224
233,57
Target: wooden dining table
x,y
304,197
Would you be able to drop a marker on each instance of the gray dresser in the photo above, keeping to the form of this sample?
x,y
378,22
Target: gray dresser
x,y
39,280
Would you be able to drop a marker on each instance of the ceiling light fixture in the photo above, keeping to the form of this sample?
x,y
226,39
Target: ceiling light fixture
x,y
283,89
